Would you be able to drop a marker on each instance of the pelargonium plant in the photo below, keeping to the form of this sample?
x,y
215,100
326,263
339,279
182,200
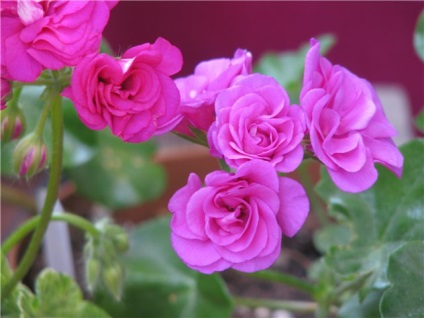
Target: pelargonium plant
x,y
237,217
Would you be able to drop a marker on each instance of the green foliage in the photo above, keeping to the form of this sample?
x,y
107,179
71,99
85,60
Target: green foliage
x,y
120,174
287,68
158,284
419,121
419,36
381,220
406,273
57,295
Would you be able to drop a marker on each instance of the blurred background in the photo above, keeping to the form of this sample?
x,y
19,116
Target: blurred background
x,y
374,39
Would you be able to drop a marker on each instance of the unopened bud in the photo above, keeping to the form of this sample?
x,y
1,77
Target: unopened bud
x,y
30,156
119,237
113,277
92,273
12,124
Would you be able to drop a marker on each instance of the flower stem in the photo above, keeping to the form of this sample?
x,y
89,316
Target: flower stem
x,y
288,280
41,122
51,197
32,223
293,306
316,204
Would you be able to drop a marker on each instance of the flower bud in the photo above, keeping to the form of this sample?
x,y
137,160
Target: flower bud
x,y
30,156
92,273
12,124
118,236
113,277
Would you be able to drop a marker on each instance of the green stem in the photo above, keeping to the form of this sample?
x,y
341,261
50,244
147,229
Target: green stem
x,y
51,197
31,224
316,205
42,121
293,306
13,103
322,310
288,280
17,197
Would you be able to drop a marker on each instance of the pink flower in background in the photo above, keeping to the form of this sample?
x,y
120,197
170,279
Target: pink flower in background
x,y
133,95
236,220
347,126
198,91
37,35
254,120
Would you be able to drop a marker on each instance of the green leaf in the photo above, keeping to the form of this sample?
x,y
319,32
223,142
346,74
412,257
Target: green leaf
x,y
287,67
332,235
158,284
57,295
419,36
419,121
121,174
367,308
405,297
382,219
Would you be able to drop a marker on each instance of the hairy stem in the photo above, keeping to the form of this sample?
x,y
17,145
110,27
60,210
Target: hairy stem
x,y
51,197
32,223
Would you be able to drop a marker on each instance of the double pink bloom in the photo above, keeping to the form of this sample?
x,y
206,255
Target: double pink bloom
x,y
347,127
236,220
38,35
133,95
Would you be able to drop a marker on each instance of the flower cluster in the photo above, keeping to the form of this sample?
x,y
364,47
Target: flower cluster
x,y
236,219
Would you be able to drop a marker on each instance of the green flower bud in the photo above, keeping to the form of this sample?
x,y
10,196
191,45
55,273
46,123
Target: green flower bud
x,y
113,277
121,242
92,273
12,124
30,156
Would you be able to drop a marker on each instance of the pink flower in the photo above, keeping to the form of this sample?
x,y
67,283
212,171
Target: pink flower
x,y
37,35
198,91
347,127
133,95
236,220
254,120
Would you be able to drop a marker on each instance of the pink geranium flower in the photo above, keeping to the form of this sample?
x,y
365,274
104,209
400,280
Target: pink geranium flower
x,y
254,120
38,35
348,129
133,95
199,91
236,220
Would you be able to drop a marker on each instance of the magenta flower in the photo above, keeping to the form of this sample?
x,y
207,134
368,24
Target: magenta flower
x,y
198,91
347,127
37,35
236,220
133,95
254,120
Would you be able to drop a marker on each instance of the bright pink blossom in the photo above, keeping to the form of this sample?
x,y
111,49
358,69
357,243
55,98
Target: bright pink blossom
x,y
254,120
134,95
348,129
236,220
198,91
37,35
